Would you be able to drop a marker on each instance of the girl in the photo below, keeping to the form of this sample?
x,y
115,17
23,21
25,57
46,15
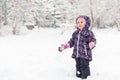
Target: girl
x,y
83,41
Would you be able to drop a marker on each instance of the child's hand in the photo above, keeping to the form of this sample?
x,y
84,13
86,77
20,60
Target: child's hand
x,y
91,45
60,49
63,46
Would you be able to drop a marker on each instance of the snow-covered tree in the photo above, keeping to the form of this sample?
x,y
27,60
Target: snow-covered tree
x,y
15,13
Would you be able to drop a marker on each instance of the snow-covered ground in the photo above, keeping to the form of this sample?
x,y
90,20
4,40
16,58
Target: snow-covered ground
x,y
35,56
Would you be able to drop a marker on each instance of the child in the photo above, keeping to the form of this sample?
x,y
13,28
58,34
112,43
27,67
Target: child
x,y
83,41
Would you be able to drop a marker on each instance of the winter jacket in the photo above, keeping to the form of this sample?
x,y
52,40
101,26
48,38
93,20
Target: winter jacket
x,y
80,41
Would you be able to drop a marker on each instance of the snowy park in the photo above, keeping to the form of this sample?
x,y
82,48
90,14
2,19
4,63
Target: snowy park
x,y
35,56
32,30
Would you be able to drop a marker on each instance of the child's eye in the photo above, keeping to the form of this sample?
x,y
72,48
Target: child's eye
x,y
81,22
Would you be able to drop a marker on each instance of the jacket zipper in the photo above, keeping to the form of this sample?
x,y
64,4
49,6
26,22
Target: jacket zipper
x,y
78,44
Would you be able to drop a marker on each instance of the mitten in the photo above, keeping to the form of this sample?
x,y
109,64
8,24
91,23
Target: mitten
x,y
63,47
91,45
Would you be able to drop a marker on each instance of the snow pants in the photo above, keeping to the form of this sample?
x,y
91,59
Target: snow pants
x,y
82,68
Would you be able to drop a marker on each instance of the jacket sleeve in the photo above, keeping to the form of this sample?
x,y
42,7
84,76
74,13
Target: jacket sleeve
x,y
71,41
91,37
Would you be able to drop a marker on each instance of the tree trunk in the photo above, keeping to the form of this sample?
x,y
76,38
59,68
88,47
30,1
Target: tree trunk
x,y
91,13
5,12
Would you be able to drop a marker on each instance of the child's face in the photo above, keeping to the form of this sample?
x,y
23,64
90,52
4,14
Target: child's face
x,y
81,23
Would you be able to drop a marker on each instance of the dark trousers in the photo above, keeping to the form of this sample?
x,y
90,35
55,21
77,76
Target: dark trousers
x,y
82,66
